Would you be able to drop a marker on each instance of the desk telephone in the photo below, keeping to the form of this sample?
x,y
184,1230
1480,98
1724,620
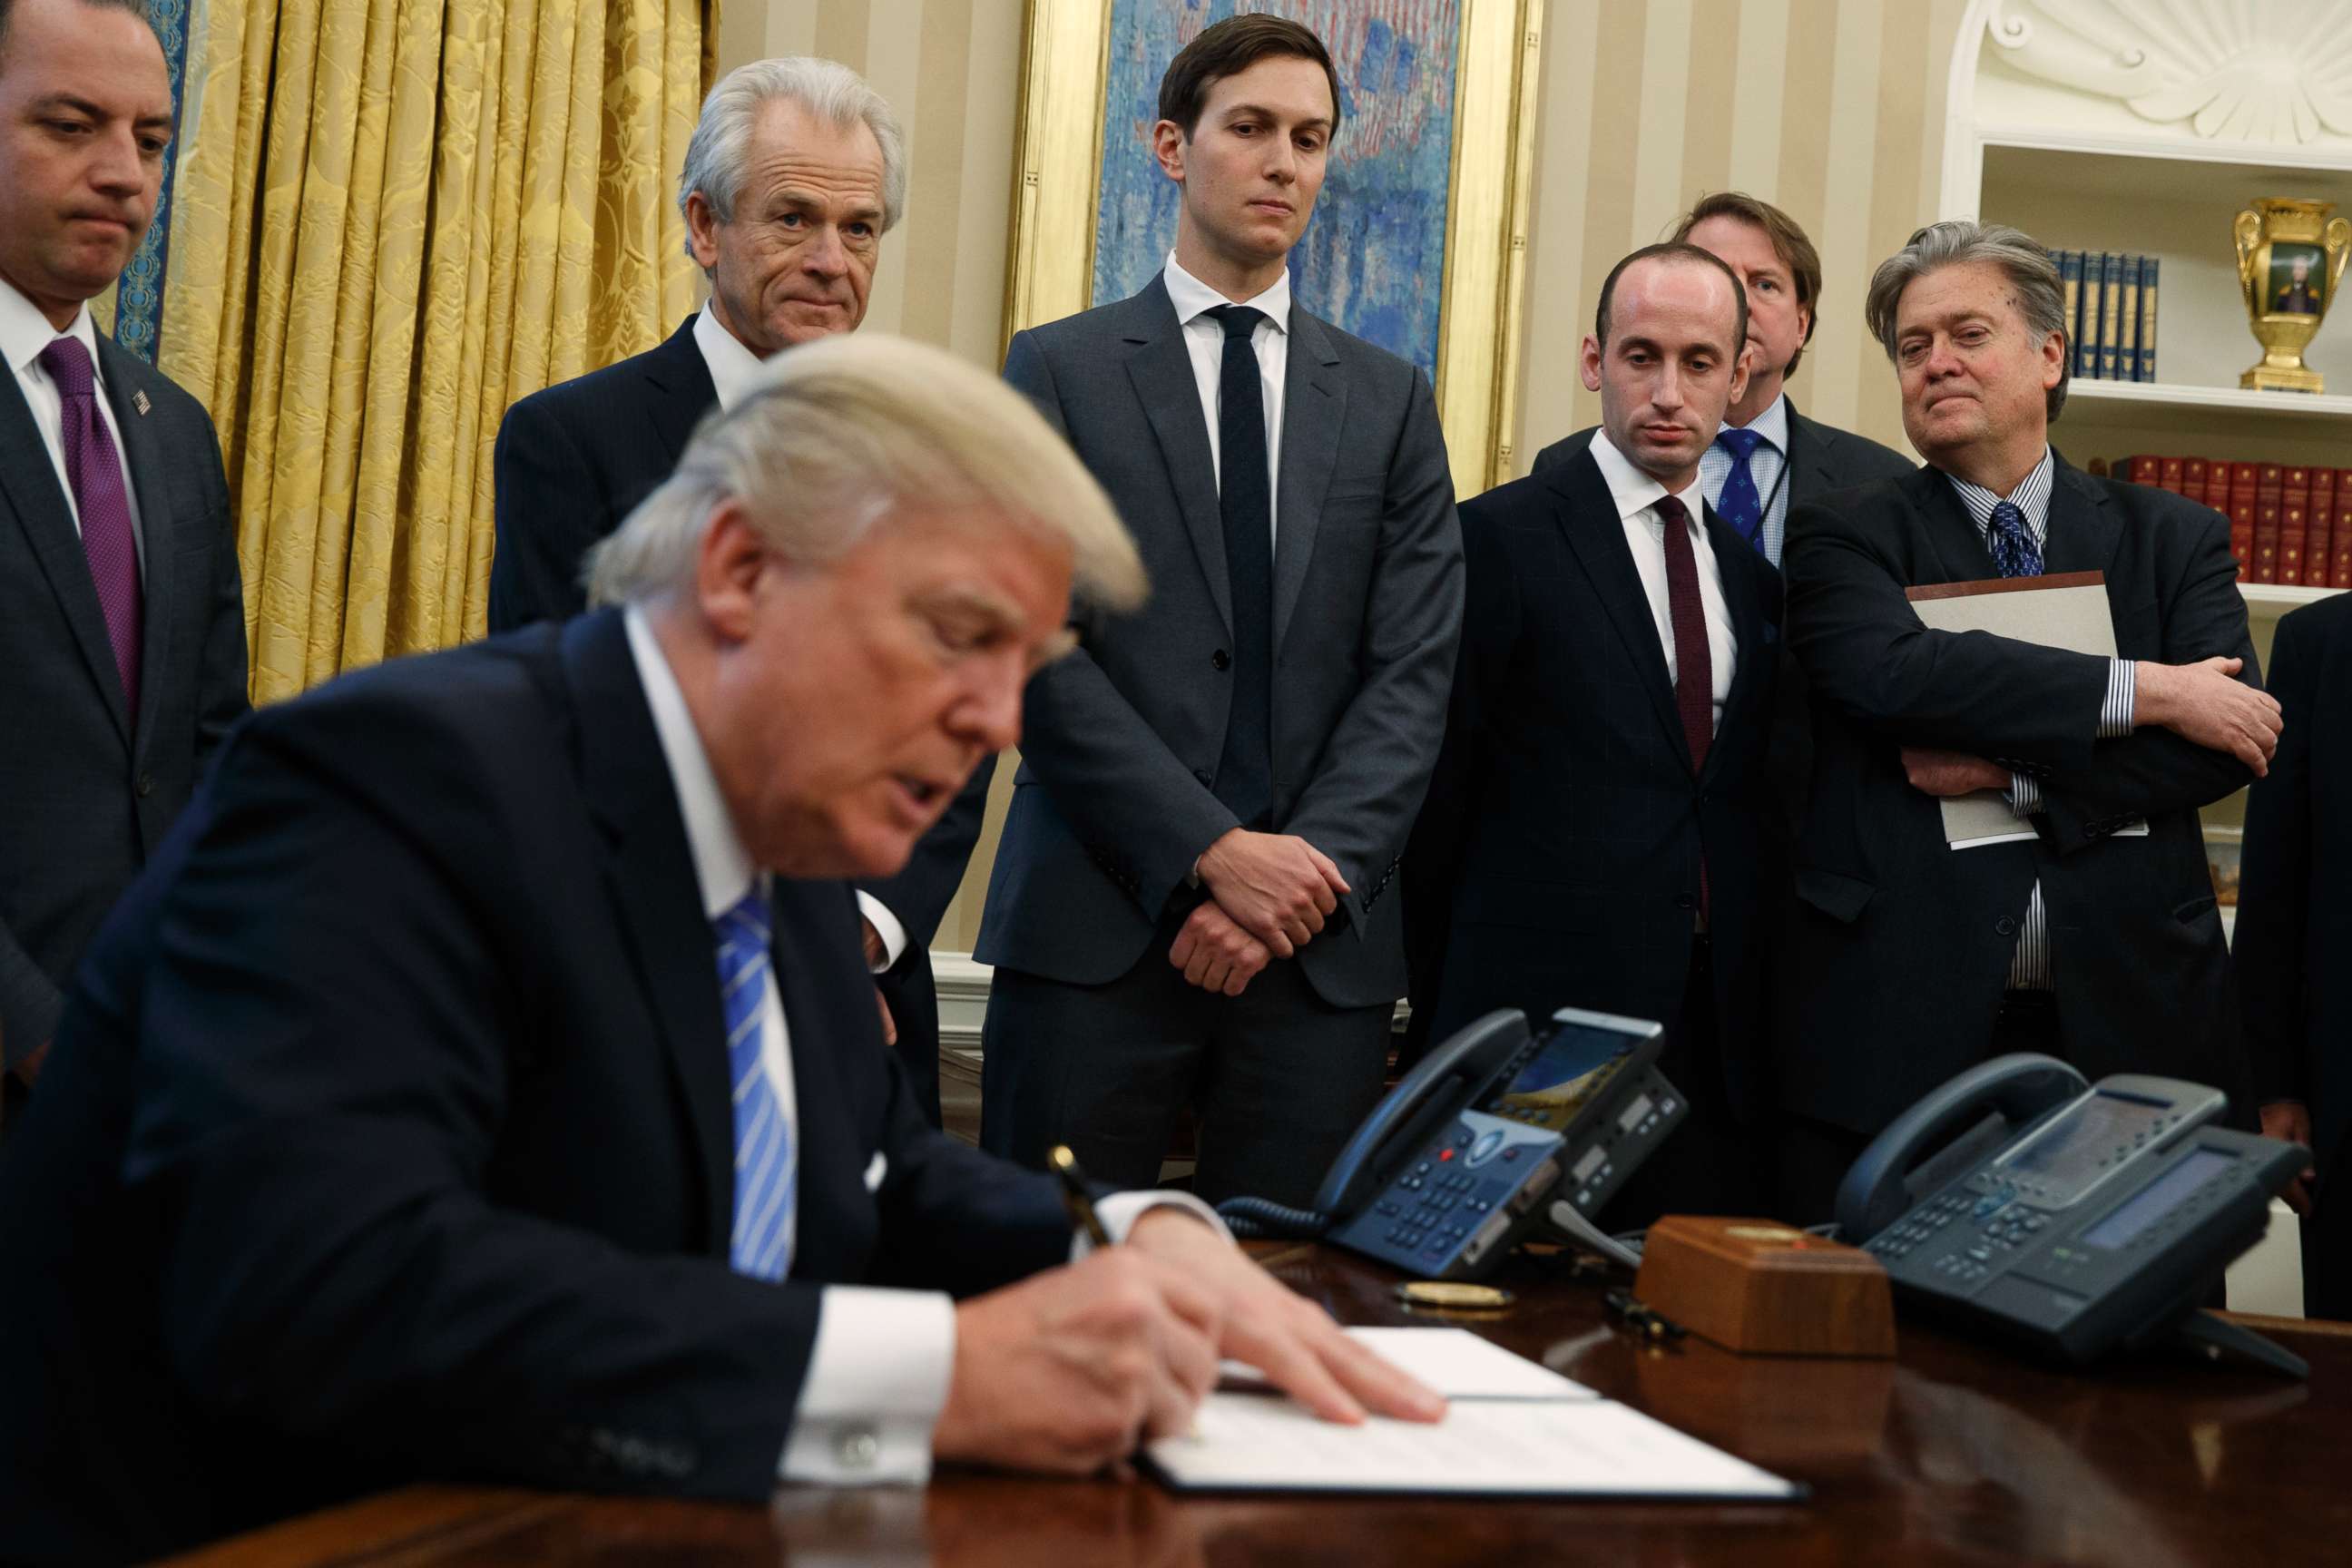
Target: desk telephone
x,y
1497,1132
2079,1218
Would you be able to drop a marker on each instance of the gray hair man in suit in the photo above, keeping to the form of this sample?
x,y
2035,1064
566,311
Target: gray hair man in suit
x,y
122,614
796,171
1196,901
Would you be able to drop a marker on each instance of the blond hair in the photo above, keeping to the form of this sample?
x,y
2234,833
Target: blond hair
x,y
834,436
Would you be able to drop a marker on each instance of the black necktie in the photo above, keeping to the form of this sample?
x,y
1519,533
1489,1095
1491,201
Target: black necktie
x,y
1246,771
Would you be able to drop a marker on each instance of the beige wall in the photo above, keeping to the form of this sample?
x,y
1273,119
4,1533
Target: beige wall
x,y
1833,109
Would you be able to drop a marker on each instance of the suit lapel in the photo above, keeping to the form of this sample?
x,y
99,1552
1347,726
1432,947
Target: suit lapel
x,y
2084,530
678,373
158,527
1161,370
29,480
656,899
1960,551
1809,461
1314,409
1596,537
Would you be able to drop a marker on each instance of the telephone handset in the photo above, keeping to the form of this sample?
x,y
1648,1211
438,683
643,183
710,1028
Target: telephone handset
x,y
2081,1217
1493,1130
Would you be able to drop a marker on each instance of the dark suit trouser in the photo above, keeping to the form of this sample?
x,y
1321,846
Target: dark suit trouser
x,y
2327,1241
1280,1077
1709,1164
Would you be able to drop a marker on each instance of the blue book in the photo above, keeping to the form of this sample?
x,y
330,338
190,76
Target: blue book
x,y
2145,369
2111,312
2070,274
2086,318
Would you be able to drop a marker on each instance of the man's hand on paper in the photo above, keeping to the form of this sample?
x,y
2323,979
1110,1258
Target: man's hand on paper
x,y
2205,703
1271,1327
1948,774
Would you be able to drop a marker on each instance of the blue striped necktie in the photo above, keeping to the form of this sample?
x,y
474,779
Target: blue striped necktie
x,y
762,1243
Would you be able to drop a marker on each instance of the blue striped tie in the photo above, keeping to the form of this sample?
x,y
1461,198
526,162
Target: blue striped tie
x,y
762,1246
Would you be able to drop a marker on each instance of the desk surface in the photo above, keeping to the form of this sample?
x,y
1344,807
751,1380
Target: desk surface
x,y
1955,1453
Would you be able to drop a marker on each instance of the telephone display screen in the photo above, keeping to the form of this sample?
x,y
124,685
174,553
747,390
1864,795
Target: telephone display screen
x,y
2162,1196
1567,1071
2080,1147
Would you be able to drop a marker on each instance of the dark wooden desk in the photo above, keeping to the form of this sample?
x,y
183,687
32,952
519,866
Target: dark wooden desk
x,y
1955,1453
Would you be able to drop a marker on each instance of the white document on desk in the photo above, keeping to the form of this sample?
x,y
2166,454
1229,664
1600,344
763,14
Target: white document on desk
x,y
2067,610
1587,1447
1454,1362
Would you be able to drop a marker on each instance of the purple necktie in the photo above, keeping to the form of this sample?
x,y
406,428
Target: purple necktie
x,y
105,507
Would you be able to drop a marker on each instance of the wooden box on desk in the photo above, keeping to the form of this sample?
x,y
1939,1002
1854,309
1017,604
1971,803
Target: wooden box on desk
x,y
1763,1289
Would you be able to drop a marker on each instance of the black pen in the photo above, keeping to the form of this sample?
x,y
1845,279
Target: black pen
x,y
1075,1199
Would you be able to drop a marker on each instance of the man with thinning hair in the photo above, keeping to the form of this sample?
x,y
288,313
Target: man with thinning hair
x,y
796,170
2097,939
483,1085
121,609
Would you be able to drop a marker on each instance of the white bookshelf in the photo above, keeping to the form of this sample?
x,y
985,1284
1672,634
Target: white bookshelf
x,y
2144,131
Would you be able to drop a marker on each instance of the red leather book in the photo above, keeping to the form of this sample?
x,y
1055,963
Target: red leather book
x,y
2193,480
2270,504
2176,476
2141,470
2294,525
2318,545
2217,485
2342,577
2242,489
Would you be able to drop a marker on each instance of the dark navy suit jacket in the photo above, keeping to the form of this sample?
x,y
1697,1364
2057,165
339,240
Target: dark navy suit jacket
x,y
389,1137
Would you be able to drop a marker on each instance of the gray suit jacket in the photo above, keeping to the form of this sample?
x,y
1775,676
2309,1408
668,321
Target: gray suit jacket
x,y
1113,802
87,788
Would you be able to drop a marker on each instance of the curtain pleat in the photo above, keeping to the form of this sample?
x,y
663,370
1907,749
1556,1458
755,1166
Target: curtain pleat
x,y
396,217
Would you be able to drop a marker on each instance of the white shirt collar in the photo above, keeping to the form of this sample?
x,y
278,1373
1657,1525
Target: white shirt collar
x,y
722,866
1772,424
732,366
1191,297
24,331
1633,490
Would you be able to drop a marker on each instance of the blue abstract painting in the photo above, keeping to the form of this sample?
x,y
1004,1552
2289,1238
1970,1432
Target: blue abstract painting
x,y
1373,256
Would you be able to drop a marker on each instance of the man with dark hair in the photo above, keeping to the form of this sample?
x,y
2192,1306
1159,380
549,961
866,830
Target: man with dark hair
x,y
1595,824
1195,902
122,614
2095,938
796,170
2294,932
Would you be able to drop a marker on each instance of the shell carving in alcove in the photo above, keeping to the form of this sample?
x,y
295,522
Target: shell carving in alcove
x,y
2238,70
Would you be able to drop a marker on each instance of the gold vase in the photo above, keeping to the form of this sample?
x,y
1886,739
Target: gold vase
x,y
2291,256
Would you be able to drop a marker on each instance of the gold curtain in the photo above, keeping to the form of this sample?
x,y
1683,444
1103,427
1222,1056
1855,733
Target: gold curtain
x,y
396,217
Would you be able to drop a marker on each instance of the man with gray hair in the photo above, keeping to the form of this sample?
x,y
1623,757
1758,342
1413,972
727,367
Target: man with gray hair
x,y
796,170
2094,936
482,1084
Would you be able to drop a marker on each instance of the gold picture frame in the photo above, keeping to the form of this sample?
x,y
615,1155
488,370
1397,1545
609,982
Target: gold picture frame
x,y
1057,178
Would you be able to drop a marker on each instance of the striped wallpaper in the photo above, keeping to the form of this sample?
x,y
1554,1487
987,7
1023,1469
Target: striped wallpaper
x,y
1833,109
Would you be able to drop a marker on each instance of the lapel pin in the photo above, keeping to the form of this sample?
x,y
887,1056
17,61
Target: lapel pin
x,y
139,401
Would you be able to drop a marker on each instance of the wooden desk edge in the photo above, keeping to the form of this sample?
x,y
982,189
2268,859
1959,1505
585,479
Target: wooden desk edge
x,y
409,1519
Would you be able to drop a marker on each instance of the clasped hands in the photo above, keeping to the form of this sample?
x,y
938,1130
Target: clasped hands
x,y
1269,894
1070,1370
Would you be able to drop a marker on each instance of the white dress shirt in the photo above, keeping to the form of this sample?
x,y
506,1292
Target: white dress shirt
x,y
877,1374
732,369
24,334
1204,340
1637,496
1768,466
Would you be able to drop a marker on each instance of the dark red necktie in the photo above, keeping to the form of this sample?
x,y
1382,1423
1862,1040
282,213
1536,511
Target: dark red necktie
x,y
1694,661
96,473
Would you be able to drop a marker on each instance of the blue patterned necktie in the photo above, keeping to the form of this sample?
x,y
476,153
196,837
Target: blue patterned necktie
x,y
2013,550
761,1244
1740,505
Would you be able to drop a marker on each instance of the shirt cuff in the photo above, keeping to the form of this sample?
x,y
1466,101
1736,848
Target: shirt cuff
x,y
877,1379
2024,796
885,926
2123,695
1119,1212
